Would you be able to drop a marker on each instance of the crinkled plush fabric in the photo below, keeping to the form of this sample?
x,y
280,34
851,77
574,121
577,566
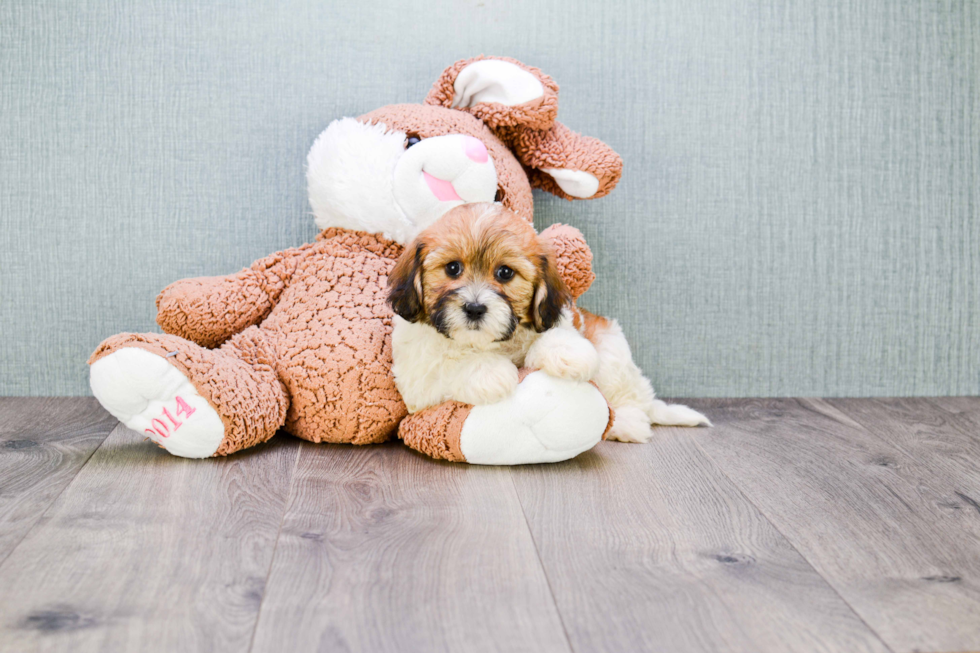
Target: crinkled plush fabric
x,y
435,431
239,380
333,329
560,147
323,350
422,121
573,258
209,310
313,355
537,114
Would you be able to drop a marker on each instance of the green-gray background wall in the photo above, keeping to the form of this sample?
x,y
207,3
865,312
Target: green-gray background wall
x,y
798,214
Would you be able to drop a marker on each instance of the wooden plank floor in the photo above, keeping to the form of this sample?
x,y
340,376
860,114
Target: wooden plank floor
x,y
792,525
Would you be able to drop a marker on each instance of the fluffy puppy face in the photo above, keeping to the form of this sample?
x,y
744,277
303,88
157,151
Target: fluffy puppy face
x,y
477,275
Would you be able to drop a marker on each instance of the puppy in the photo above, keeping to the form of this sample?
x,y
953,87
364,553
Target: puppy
x,y
477,295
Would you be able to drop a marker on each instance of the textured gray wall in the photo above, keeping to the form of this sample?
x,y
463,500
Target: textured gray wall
x,y
798,215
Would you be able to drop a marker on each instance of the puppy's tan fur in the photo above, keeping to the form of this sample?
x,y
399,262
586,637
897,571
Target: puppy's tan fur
x,y
481,238
441,352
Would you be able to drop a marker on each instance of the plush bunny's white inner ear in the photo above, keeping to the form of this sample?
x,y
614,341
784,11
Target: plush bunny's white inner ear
x,y
574,182
492,80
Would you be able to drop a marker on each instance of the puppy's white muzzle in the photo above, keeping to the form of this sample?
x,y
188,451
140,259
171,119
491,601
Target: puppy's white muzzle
x,y
496,322
440,173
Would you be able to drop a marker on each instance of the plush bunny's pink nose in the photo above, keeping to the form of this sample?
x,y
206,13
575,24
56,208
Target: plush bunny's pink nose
x,y
475,149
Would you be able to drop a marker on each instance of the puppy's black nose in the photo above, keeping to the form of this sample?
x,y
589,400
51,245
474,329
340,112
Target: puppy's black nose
x,y
474,310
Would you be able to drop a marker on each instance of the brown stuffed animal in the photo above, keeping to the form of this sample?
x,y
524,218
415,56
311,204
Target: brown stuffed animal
x,y
301,340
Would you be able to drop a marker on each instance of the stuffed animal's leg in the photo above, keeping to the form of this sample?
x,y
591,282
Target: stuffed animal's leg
x,y
193,402
627,390
545,420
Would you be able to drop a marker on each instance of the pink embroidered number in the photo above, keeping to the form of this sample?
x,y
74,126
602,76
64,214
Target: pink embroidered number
x,y
161,428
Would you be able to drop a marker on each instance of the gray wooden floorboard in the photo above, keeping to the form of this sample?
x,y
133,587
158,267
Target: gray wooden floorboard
x,y
43,444
884,530
792,525
941,435
967,407
383,549
148,552
651,548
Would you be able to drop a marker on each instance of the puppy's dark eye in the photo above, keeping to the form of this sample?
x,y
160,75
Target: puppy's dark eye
x,y
411,140
454,269
504,274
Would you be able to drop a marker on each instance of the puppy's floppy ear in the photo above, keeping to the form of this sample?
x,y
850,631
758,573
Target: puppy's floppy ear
x,y
550,295
405,283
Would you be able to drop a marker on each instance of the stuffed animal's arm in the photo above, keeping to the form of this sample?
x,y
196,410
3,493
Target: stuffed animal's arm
x,y
573,258
209,310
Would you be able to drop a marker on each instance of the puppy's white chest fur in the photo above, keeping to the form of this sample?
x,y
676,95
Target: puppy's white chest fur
x,y
430,368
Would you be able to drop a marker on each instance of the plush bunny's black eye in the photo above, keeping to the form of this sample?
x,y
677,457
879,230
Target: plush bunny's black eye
x,y
454,269
504,274
411,140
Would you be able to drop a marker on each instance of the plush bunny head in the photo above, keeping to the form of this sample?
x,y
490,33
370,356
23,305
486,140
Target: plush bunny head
x,y
487,131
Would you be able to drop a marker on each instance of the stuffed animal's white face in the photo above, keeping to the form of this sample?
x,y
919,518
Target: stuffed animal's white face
x,y
365,177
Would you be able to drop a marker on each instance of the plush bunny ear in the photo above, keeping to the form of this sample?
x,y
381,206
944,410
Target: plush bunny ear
x,y
501,92
566,164
519,103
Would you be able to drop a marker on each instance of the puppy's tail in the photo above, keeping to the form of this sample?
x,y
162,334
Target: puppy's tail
x,y
666,414
627,390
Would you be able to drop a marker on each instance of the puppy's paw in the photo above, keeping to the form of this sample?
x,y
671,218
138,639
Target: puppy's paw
x,y
488,383
565,355
630,425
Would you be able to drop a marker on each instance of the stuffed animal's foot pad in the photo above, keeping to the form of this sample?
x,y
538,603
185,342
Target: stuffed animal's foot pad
x,y
151,396
546,420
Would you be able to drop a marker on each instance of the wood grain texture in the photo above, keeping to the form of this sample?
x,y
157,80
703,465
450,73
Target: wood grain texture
x,y
969,407
651,548
43,444
888,532
793,525
148,552
941,435
383,549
